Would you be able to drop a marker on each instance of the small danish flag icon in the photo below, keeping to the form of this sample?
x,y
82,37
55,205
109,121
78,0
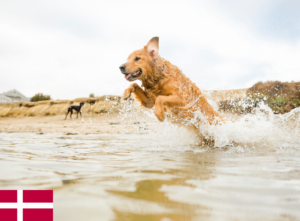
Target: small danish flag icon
x,y
26,205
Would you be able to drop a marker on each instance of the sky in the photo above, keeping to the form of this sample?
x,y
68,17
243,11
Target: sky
x,y
72,48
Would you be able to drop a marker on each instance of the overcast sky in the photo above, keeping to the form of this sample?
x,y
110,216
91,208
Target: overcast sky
x,y
69,49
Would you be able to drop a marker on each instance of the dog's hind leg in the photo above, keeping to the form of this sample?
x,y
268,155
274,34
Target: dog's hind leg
x,y
67,113
71,113
167,102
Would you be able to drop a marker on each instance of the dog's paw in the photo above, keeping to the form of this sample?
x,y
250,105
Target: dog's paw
x,y
161,118
126,94
160,115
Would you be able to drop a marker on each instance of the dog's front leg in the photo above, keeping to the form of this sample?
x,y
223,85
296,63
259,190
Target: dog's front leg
x,y
167,102
140,95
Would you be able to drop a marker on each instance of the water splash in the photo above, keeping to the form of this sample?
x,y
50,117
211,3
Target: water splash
x,y
260,128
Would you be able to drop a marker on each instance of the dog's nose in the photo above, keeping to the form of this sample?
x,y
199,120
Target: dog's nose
x,y
122,67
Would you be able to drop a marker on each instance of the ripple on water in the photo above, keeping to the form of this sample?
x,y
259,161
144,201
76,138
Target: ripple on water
x,y
164,174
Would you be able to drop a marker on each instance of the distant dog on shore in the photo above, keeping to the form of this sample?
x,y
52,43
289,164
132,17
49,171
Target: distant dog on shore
x,y
76,108
165,87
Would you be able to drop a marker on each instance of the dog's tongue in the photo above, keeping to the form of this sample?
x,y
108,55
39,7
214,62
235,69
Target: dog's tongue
x,y
127,76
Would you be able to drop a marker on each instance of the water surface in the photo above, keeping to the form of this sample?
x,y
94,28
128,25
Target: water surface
x,y
153,177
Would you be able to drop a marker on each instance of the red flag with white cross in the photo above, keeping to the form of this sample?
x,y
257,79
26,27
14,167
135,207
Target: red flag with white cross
x,y
26,205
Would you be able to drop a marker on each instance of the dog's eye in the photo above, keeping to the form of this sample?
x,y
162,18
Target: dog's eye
x,y
137,58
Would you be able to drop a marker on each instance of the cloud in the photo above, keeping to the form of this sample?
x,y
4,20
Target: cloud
x,y
70,49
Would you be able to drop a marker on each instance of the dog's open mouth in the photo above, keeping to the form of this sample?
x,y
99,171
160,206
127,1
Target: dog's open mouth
x,y
130,76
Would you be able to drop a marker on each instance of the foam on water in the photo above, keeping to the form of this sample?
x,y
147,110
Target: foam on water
x,y
256,129
261,128
170,136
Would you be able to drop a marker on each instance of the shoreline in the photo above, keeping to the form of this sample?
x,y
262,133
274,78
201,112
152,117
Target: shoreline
x,y
86,125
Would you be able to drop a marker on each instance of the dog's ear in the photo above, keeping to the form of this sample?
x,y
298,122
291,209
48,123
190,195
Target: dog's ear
x,y
153,46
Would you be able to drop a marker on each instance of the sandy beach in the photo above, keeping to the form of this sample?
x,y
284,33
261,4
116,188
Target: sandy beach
x,y
86,125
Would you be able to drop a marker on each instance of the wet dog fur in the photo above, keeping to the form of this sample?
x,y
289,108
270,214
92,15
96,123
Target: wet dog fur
x,y
165,87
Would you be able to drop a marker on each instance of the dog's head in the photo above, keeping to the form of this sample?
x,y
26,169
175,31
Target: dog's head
x,y
140,63
81,103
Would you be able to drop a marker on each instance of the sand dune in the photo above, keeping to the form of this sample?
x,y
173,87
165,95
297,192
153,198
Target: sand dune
x,y
107,104
222,95
104,104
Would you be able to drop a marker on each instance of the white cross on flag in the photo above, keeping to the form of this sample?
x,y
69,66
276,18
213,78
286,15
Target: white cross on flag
x,y
26,205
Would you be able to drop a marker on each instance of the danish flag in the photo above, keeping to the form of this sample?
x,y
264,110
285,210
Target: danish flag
x,y
26,205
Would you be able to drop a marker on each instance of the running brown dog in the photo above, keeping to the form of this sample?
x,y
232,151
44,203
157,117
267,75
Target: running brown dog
x,y
165,87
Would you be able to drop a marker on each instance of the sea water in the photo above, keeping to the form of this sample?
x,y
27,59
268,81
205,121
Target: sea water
x,y
163,171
